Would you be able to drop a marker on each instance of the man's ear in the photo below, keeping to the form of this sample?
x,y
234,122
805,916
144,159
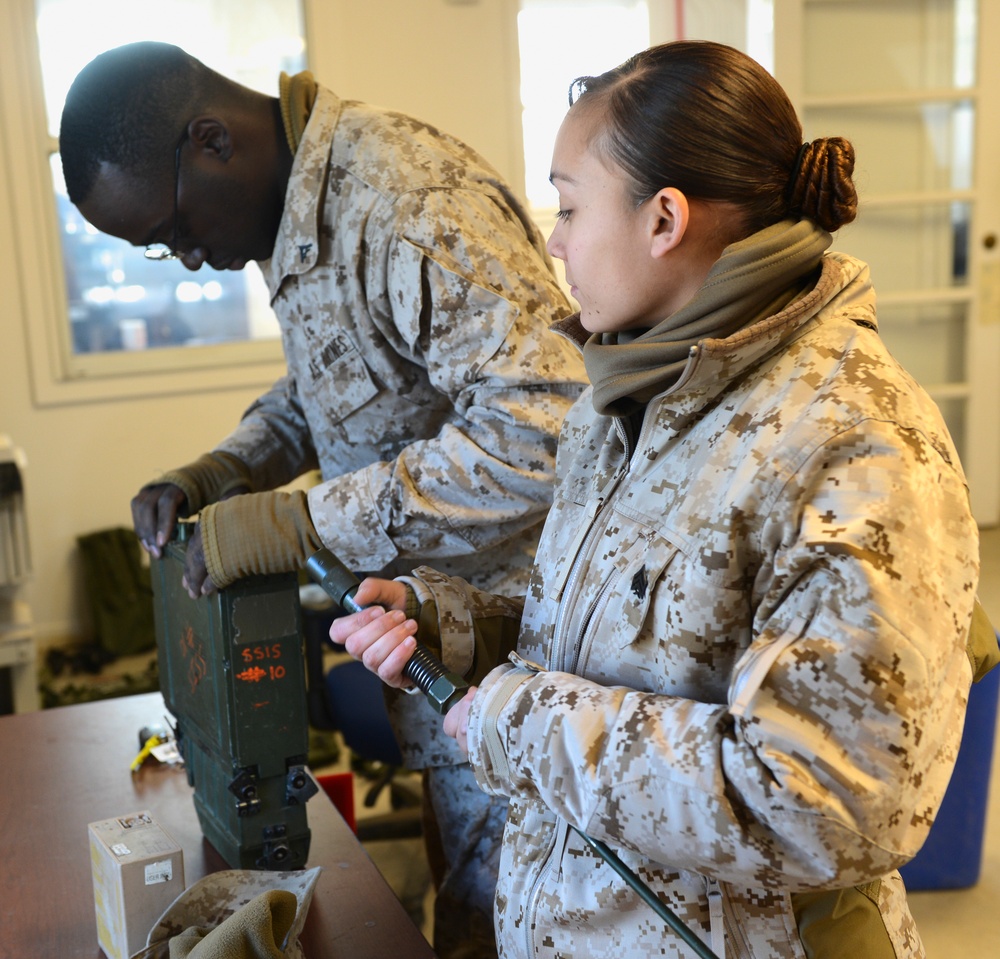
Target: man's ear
x,y
210,135
670,217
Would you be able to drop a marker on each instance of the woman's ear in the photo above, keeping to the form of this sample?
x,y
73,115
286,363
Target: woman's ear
x,y
671,215
210,134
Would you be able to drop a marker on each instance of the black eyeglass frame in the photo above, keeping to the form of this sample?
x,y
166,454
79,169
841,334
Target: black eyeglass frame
x,y
160,252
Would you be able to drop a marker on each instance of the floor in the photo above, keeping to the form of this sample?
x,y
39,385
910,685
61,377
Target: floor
x,y
952,922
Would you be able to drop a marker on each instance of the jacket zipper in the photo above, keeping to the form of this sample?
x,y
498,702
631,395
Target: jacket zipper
x,y
626,445
734,930
579,659
576,570
586,642
557,656
558,590
536,887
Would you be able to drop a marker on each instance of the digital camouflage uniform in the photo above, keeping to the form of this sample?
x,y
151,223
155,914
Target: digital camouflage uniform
x,y
750,644
414,297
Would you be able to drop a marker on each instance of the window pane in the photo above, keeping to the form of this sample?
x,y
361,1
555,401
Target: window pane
x,y
119,300
560,40
928,339
955,413
930,143
895,46
912,246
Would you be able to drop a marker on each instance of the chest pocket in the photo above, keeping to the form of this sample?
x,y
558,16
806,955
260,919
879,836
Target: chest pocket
x,y
339,380
621,610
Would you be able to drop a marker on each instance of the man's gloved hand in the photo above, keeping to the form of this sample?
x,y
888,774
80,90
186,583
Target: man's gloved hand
x,y
182,492
249,535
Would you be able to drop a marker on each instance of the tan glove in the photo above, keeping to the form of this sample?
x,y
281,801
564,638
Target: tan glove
x,y
256,534
208,479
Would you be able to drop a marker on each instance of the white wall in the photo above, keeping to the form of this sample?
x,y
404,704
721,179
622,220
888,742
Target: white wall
x,y
451,63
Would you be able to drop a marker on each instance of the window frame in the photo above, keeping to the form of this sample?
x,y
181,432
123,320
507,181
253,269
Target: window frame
x,y
57,375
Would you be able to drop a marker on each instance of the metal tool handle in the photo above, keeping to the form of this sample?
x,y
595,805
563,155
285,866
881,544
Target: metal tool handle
x,y
423,669
337,581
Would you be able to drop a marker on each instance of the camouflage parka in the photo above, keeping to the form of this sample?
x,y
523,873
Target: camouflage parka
x,y
414,297
741,660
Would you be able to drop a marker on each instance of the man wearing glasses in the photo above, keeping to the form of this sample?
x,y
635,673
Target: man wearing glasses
x,y
414,297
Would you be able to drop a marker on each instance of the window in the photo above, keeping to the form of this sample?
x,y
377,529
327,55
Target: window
x,y
560,40
117,301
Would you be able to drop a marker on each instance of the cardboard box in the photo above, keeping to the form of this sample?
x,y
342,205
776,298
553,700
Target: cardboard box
x,y
138,871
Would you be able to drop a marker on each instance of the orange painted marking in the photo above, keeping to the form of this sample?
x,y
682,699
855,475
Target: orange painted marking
x,y
252,675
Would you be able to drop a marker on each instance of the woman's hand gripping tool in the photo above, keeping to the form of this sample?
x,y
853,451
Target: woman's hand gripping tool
x,y
427,673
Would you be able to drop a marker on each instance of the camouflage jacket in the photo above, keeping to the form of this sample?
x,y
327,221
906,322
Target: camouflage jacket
x,y
414,297
742,653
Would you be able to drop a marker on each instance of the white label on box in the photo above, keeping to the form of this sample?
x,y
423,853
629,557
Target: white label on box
x,y
120,849
159,872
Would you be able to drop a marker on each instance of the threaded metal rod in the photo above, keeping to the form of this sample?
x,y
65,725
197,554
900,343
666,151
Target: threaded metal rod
x,y
423,668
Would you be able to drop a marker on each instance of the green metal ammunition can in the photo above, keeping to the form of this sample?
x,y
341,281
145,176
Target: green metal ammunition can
x,y
232,674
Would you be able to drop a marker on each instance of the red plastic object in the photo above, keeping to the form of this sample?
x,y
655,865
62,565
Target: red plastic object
x,y
340,788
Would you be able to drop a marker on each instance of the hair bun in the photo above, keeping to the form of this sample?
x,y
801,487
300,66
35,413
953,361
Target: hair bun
x,y
821,185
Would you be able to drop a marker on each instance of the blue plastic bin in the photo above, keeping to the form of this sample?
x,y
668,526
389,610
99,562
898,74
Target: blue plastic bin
x,y
953,854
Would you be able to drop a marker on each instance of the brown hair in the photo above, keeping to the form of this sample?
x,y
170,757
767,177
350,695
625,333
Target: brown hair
x,y
709,120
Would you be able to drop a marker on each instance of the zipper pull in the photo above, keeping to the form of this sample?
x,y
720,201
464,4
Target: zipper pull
x,y
525,663
716,918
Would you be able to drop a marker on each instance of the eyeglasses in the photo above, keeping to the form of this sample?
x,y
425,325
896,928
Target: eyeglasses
x,y
160,251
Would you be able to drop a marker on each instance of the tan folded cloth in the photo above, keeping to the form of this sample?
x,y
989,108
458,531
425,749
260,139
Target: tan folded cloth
x,y
235,914
254,932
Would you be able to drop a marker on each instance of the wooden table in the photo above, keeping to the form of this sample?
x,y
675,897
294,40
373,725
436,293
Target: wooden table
x,y
63,768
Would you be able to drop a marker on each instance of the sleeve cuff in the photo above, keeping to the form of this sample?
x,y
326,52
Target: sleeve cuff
x,y
362,543
487,741
412,608
208,479
210,547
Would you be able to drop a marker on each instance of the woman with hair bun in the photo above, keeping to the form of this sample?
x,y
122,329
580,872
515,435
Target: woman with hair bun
x,y
741,661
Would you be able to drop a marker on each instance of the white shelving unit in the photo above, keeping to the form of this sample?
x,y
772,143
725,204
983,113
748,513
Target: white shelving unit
x,y
17,640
